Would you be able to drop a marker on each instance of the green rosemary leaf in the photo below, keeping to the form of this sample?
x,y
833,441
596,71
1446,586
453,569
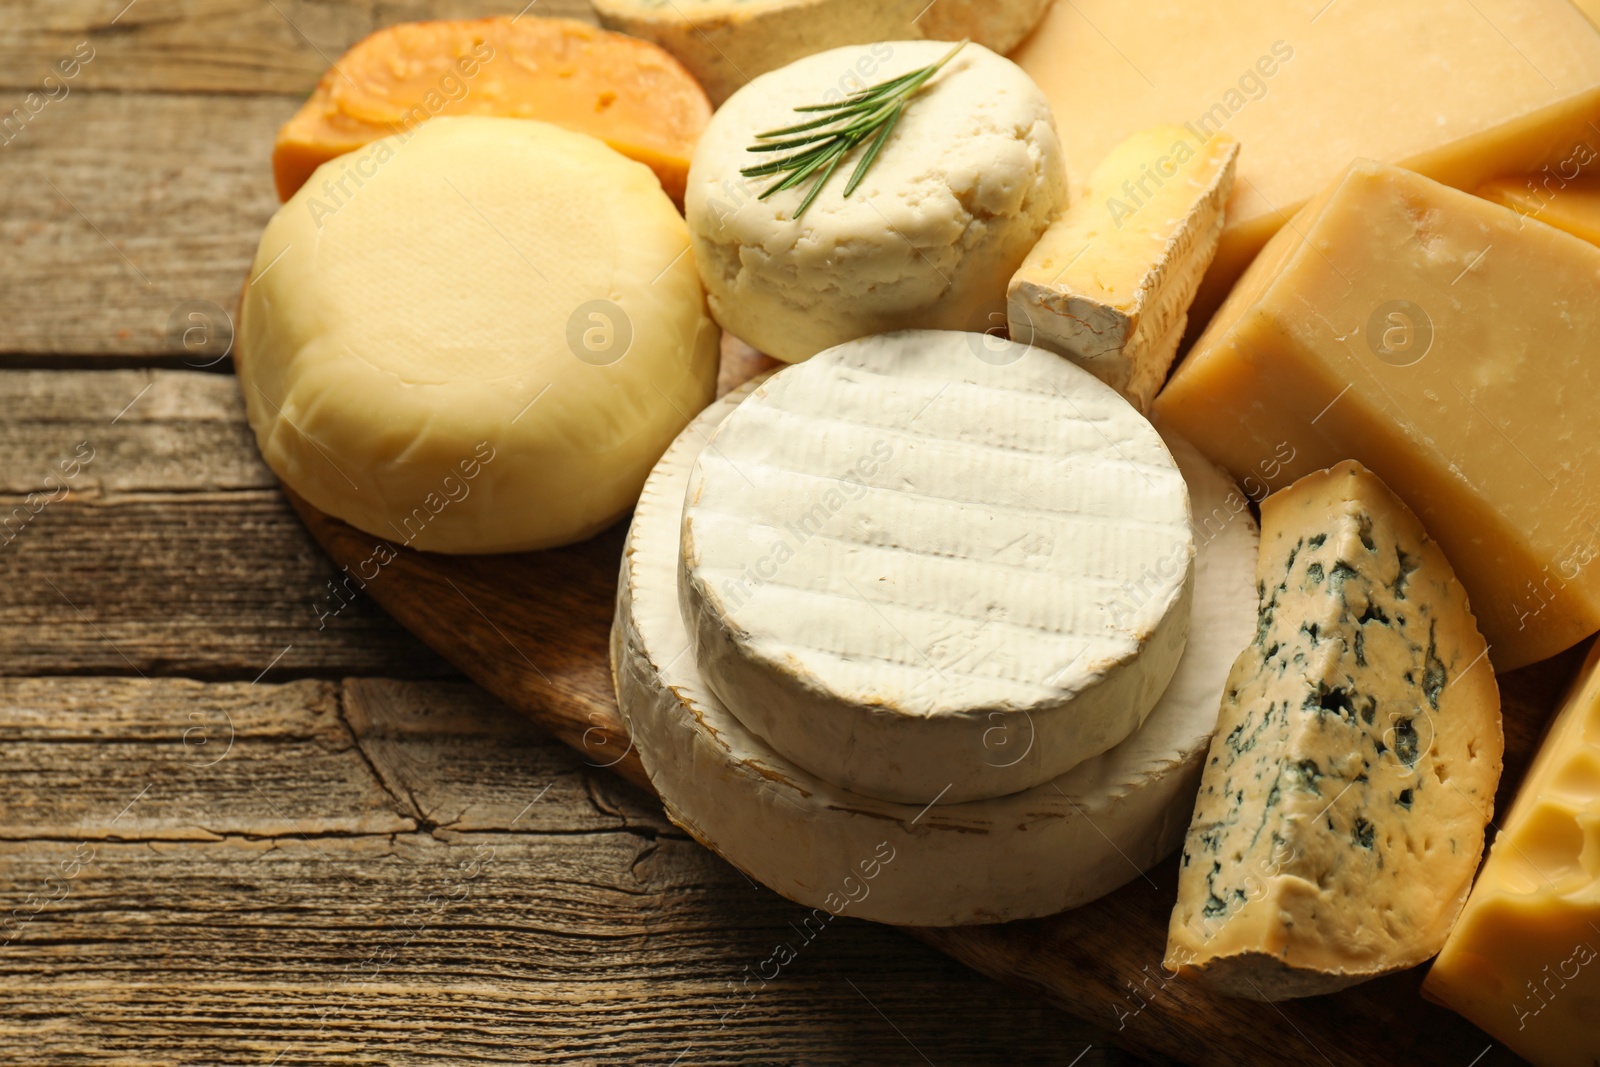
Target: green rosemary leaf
x,y
818,146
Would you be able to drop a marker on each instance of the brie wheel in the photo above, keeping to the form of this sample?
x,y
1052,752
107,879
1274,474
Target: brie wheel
x,y
476,337
1054,847
933,564
964,186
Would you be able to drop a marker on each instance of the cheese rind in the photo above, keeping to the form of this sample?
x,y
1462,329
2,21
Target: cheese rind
x,y
628,93
1342,807
725,43
967,181
1057,846
484,346
1460,90
1448,345
917,573
1523,962
1110,282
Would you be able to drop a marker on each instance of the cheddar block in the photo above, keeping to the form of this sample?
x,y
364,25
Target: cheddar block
x,y
1447,344
1343,803
1523,962
630,94
726,43
1460,90
1567,204
1110,282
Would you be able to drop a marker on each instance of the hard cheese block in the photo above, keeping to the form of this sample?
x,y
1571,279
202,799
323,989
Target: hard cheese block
x,y
1038,852
1343,804
1110,283
1523,962
1461,90
926,565
1570,204
628,93
1448,345
728,42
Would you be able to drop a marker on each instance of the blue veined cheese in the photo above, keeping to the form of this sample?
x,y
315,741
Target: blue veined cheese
x,y
1038,852
725,43
921,548
1342,808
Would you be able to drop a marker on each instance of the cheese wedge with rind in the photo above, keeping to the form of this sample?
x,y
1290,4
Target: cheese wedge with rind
x,y
1523,961
1110,283
1057,846
919,573
725,43
1343,804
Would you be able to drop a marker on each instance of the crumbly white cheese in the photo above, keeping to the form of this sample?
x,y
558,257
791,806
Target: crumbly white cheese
x,y
1053,847
725,43
477,337
961,190
917,573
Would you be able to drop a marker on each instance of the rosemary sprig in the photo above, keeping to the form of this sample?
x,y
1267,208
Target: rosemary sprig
x,y
824,142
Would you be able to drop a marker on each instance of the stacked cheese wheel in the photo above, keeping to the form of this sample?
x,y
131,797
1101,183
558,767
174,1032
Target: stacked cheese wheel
x,y
922,629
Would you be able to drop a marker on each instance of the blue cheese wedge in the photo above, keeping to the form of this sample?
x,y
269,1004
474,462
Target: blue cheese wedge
x,y
928,563
1342,809
1038,852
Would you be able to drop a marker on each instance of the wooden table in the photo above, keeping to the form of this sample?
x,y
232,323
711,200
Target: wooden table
x,y
234,829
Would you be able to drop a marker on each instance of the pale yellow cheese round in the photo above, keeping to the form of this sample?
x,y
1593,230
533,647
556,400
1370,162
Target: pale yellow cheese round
x,y
477,337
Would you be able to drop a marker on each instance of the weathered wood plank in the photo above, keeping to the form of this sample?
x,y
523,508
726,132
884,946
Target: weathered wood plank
x,y
236,911
210,46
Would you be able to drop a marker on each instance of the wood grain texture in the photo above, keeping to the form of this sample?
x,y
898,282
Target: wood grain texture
x,y
377,871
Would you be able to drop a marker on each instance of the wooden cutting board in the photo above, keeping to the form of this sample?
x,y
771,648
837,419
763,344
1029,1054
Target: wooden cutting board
x,y
533,628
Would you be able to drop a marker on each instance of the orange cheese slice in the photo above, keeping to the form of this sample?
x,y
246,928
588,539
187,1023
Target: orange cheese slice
x,y
628,93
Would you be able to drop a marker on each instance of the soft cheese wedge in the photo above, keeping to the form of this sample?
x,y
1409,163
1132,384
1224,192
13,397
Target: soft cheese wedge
x,y
1448,345
1342,808
725,43
1523,962
1460,90
1059,845
929,565
483,346
1110,282
626,92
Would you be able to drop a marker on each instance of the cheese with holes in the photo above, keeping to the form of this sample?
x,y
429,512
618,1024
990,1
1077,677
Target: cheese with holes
x,y
1460,90
725,43
483,345
628,93
1570,204
1342,807
1053,847
1449,346
1523,962
1110,282
928,565
967,181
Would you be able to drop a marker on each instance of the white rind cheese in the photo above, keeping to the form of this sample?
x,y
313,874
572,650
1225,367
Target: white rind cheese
x,y
1057,846
1342,810
725,43
477,337
918,573
961,190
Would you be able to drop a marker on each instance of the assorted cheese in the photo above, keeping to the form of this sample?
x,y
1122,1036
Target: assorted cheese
x,y
483,345
1110,283
968,179
921,574
627,92
1447,344
1342,808
726,43
1056,846
1524,961
1459,90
